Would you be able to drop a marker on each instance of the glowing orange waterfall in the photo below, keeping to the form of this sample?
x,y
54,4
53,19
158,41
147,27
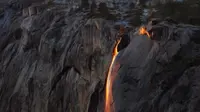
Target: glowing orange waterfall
x,y
109,82
143,31
110,77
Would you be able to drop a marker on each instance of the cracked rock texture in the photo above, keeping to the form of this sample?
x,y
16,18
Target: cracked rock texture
x,y
160,74
54,59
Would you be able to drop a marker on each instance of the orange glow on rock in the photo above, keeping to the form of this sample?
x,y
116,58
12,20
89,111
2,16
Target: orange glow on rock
x,y
143,31
109,81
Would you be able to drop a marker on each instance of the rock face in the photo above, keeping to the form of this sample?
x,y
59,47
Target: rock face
x,y
53,61
56,60
160,75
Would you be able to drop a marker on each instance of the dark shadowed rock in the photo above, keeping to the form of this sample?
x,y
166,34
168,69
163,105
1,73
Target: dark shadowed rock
x,y
158,75
54,58
54,62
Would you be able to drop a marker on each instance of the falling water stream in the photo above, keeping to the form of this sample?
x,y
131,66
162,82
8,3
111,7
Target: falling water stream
x,y
109,82
109,103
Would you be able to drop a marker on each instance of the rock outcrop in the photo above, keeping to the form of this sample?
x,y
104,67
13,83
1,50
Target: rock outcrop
x,y
54,59
160,74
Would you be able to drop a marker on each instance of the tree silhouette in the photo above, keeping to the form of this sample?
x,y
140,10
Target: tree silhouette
x,y
84,4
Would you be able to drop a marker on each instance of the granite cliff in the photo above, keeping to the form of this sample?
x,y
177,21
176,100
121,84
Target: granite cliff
x,y
55,57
